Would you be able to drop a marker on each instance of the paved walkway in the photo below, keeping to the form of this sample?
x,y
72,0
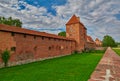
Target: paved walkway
x,y
108,68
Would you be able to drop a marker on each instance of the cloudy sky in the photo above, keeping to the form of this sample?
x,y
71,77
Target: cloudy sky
x,y
100,17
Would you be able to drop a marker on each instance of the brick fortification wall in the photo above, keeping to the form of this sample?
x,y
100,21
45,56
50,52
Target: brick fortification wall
x,y
27,46
90,46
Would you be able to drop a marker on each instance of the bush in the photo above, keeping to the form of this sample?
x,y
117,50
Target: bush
x,y
76,52
94,51
5,57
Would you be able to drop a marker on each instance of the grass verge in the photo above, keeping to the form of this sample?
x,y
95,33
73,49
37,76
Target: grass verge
x,y
117,50
76,67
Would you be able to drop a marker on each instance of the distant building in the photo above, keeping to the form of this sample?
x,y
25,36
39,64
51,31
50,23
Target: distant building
x,y
90,43
98,42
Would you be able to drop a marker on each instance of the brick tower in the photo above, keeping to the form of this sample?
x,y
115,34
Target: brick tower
x,y
76,30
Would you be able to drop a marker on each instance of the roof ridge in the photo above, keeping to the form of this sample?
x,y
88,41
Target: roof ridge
x,y
73,19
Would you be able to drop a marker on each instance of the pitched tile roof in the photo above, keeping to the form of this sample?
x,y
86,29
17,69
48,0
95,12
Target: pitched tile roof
x,y
89,39
74,19
97,39
8,28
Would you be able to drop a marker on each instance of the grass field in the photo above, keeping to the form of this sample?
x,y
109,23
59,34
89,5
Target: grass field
x,y
76,67
117,50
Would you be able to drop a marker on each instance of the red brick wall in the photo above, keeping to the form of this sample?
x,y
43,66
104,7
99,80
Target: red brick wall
x,y
83,35
30,47
90,46
6,42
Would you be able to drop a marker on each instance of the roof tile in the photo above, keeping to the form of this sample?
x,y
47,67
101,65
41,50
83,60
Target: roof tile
x,y
73,20
89,39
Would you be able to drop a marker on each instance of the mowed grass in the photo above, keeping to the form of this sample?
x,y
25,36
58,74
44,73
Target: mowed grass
x,y
76,67
117,50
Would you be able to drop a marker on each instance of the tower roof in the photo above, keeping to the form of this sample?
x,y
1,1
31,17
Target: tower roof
x,y
73,20
96,39
89,39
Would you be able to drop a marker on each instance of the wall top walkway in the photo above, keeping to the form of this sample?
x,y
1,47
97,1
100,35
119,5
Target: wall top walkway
x,y
108,68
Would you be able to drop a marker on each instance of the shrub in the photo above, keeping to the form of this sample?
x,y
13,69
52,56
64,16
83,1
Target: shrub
x,y
75,52
5,57
94,51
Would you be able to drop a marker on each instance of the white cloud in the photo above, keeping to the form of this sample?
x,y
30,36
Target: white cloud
x,y
97,15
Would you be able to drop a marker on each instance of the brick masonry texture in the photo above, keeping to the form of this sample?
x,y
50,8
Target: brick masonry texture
x,y
108,68
34,47
28,45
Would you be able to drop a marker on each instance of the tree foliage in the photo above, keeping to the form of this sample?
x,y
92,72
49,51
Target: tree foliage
x,y
108,41
10,21
118,44
5,57
63,33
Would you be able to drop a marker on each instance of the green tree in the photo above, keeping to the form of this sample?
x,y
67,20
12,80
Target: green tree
x,y
63,33
5,57
108,41
10,21
118,44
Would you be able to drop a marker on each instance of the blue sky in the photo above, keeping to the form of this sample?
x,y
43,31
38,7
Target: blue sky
x,y
100,17
45,3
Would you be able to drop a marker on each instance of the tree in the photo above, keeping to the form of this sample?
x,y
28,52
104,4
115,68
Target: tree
x,y
5,57
118,44
108,41
63,33
10,21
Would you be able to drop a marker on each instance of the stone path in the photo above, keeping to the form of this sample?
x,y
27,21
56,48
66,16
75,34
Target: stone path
x,y
108,68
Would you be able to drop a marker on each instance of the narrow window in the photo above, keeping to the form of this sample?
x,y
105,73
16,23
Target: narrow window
x,y
13,48
24,35
42,38
49,48
12,34
49,38
34,37
59,48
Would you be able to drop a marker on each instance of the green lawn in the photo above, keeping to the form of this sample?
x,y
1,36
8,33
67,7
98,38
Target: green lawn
x,y
76,67
117,50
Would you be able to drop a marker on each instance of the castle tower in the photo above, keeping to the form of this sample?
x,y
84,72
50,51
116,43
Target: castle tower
x,y
76,30
98,42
